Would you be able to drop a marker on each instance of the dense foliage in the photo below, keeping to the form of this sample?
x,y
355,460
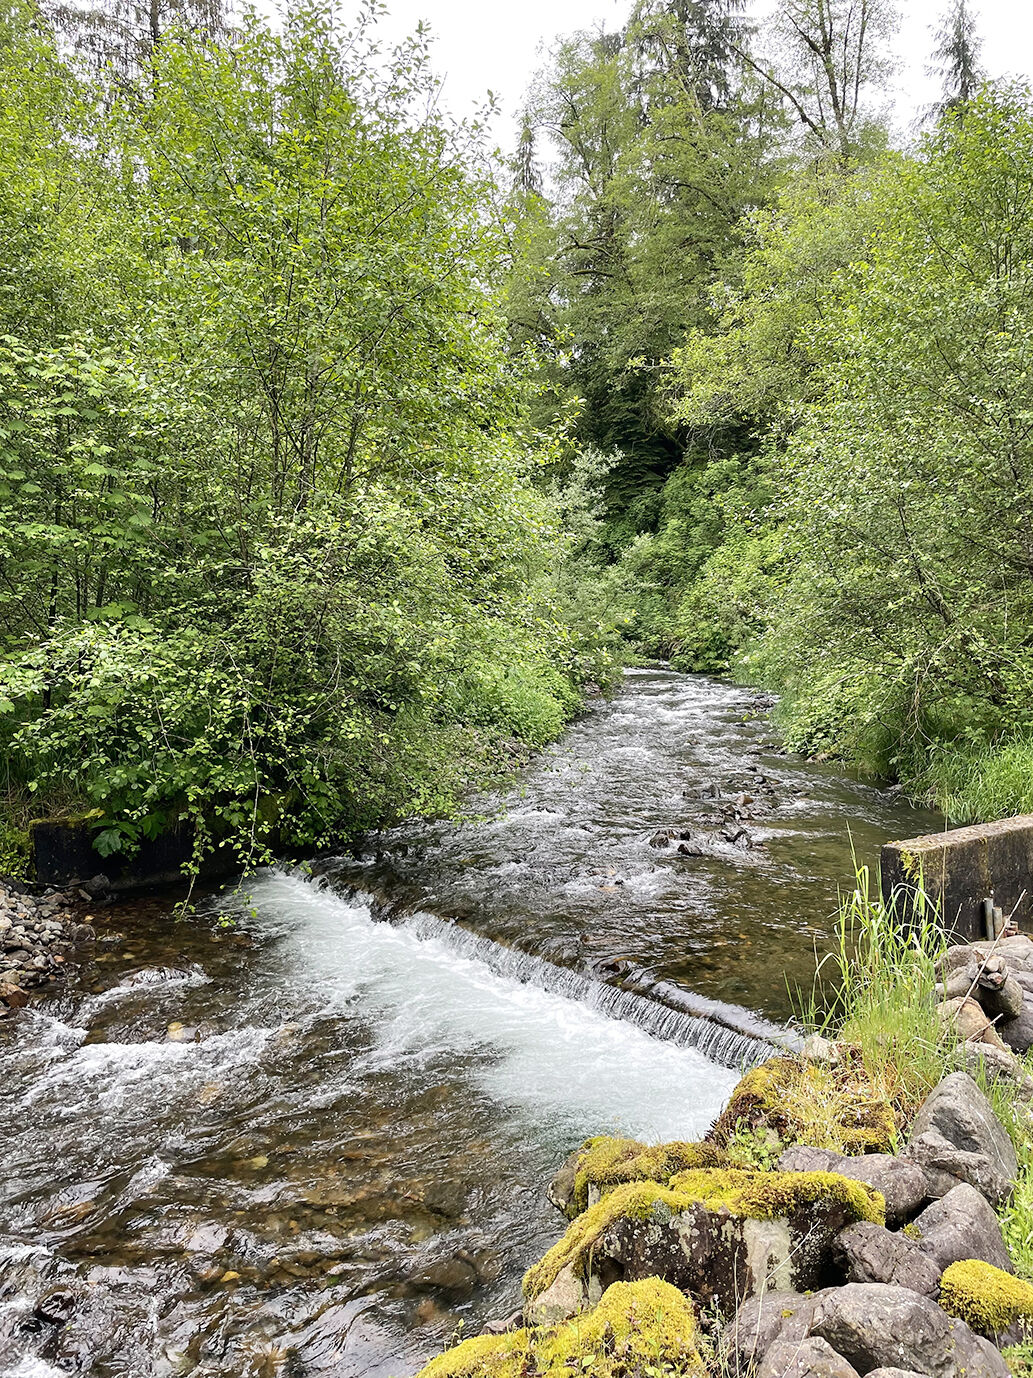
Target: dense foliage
x,y
272,559
833,499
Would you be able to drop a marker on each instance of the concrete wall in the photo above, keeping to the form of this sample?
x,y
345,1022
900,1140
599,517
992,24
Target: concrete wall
x,y
960,868
62,853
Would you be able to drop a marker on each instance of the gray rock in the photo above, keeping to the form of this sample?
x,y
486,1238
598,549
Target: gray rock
x,y
1018,1032
894,1373
961,1225
812,1358
957,1137
565,1297
560,1190
996,1065
877,1326
762,1320
901,1182
868,1253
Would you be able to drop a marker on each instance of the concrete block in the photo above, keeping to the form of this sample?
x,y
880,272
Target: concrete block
x,y
960,868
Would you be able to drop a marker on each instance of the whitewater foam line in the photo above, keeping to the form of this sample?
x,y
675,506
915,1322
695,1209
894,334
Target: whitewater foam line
x,y
720,1043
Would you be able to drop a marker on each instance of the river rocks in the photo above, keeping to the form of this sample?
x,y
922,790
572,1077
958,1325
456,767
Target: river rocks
x,y
568,1294
812,1358
987,991
1018,1032
901,1183
764,1319
961,1226
894,1373
869,1253
996,1064
37,936
956,1137
874,1326
969,1021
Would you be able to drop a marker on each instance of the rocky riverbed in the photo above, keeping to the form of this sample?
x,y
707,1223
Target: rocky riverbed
x,y
39,936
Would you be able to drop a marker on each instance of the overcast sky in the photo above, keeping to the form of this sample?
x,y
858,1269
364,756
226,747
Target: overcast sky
x,y
496,46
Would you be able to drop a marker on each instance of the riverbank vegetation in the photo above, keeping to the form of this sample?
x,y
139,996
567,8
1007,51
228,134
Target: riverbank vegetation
x,y
274,558
336,458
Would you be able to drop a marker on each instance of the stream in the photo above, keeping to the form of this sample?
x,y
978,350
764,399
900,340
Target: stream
x,y
307,1132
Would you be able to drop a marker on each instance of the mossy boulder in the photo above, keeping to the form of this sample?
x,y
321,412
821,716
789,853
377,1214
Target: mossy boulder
x,y
987,1299
720,1234
603,1163
827,1105
635,1324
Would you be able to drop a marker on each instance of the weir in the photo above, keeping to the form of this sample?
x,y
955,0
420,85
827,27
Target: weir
x,y
718,1041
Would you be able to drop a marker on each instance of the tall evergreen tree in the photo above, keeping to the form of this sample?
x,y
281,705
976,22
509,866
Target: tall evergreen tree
x,y
827,59
956,58
692,42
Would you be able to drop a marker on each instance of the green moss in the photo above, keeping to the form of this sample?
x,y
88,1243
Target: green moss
x,y
984,1297
636,1325
757,1195
768,1195
605,1163
811,1103
485,1356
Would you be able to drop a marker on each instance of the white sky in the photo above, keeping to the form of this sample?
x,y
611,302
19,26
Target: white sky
x,y
496,46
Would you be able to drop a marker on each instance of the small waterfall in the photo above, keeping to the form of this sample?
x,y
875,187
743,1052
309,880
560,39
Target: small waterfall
x,y
718,1041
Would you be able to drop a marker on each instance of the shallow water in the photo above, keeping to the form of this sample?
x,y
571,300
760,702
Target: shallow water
x,y
343,1161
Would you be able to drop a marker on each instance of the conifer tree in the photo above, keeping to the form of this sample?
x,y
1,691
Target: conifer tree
x,y
956,58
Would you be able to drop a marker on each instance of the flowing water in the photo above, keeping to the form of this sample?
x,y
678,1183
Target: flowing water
x,y
314,1140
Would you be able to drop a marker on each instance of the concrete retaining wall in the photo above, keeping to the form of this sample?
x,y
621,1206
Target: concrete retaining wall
x,y
959,869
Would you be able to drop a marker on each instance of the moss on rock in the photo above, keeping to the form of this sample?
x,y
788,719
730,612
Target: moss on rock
x,y
985,1297
771,1195
808,1102
754,1195
635,1324
605,1163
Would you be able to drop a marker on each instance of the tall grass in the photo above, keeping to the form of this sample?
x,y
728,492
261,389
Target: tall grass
x,y
979,784
877,991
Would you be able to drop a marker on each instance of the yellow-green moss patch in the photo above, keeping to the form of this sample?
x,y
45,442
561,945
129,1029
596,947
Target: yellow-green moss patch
x,y
984,1297
758,1195
485,1356
606,1163
768,1195
635,1324
817,1103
